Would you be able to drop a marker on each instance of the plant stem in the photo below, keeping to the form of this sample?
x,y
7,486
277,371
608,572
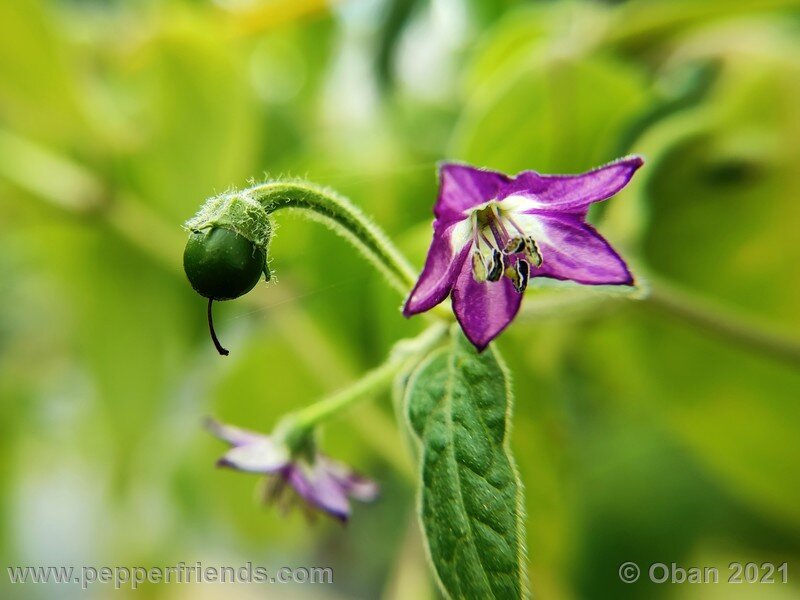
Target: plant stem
x,y
345,219
723,323
304,420
372,381
214,337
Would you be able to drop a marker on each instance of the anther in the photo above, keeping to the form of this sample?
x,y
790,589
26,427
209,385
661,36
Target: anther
x,y
532,252
514,245
495,266
523,270
479,272
512,273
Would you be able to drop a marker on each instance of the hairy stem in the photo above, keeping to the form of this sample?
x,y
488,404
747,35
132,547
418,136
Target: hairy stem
x,y
303,421
345,219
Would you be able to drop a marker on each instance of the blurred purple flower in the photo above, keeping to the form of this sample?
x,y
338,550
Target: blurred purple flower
x,y
492,233
323,483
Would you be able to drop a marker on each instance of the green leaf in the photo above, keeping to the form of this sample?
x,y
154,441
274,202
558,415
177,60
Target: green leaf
x,y
459,404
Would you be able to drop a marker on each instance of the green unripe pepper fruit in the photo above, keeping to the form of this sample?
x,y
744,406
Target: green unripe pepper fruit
x,y
221,264
227,250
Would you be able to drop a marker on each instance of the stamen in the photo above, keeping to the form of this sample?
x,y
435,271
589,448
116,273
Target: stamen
x,y
479,271
476,243
495,266
514,245
518,274
499,219
524,270
499,238
532,252
485,239
515,226
273,491
513,275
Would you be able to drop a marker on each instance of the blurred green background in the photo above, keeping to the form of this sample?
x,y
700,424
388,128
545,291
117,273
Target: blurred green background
x,y
639,436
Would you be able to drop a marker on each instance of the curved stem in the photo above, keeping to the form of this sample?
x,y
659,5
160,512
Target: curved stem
x,y
723,323
373,381
300,423
340,215
214,338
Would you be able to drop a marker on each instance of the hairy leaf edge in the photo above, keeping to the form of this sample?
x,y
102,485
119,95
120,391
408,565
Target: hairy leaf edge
x,y
522,555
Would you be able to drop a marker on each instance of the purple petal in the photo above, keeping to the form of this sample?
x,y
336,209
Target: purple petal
x,y
483,309
361,489
356,486
263,456
573,193
233,435
448,251
320,489
573,250
462,187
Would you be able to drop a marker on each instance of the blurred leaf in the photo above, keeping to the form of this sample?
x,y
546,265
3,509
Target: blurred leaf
x,y
722,205
195,123
646,21
398,15
739,173
736,412
550,117
37,87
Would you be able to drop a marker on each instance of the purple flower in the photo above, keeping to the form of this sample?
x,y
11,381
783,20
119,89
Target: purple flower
x,y
323,483
492,233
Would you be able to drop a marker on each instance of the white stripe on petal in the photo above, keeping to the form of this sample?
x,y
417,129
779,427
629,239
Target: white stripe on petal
x,y
517,203
531,225
460,235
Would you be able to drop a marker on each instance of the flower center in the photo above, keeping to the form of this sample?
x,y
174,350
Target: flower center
x,y
501,248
